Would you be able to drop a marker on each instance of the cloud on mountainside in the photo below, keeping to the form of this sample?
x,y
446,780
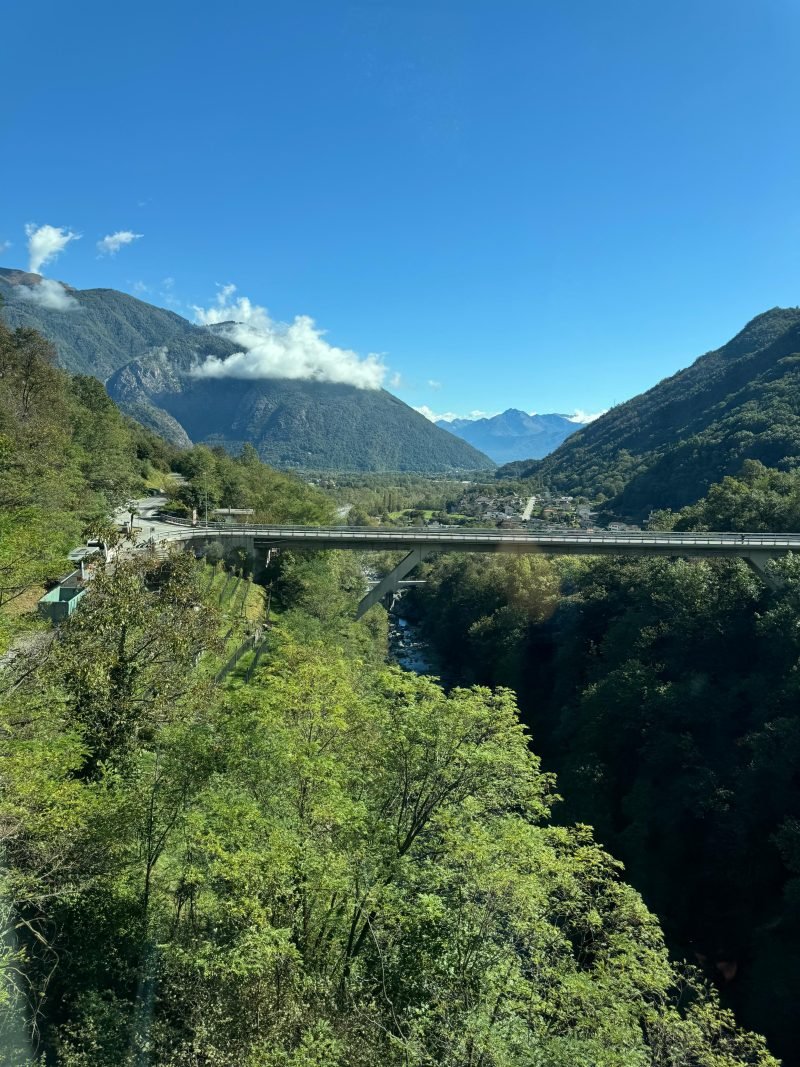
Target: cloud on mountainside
x,y
112,242
45,243
583,416
280,350
48,294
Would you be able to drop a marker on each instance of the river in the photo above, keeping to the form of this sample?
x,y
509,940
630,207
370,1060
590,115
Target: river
x,y
406,647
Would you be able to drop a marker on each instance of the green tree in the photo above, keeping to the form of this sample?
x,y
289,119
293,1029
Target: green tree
x,y
125,658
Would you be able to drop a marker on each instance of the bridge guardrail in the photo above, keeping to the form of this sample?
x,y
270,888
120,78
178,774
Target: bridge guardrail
x,y
475,535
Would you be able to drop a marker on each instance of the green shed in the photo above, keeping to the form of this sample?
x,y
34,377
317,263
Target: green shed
x,y
60,602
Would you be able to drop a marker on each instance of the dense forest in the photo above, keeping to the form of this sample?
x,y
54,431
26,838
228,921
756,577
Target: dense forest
x,y
315,860
664,695
666,447
213,478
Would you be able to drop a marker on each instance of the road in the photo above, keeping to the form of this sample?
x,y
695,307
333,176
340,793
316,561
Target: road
x,y
147,518
146,521
528,508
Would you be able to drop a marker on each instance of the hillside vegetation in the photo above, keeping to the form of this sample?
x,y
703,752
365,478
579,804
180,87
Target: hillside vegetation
x,y
305,424
106,330
665,447
328,864
68,456
214,478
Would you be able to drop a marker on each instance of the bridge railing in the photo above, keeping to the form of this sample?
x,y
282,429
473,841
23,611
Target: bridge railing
x,y
473,535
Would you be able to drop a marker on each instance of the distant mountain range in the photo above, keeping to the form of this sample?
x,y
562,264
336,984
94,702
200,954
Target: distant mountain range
x,y
513,434
665,447
145,355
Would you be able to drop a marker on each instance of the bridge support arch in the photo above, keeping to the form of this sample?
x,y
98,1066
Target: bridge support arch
x,y
758,561
391,582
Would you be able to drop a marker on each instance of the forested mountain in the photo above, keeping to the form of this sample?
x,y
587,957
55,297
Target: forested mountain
x,y
291,423
145,356
313,861
665,447
105,330
513,434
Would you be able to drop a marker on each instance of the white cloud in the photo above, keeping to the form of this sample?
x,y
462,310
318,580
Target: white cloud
x,y
432,416
281,350
396,380
48,294
4,247
167,293
584,416
433,384
112,242
450,416
45,243
140,289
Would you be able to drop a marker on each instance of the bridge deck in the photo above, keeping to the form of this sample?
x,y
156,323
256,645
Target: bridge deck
x,y
418,543
561,542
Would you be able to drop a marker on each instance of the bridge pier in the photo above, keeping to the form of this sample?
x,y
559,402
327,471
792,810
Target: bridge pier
x,y
391,582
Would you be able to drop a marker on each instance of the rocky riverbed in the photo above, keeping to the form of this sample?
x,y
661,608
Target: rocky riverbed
x,y
406,647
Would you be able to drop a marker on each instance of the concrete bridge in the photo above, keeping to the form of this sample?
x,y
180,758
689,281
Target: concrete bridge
x,y
757,549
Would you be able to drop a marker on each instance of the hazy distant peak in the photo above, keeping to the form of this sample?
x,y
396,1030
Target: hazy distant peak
x,y
513,434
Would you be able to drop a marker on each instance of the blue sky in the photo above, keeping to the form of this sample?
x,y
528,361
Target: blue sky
x,y
546,204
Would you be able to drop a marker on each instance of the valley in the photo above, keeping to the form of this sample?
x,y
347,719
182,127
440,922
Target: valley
x,y
594,647
400,535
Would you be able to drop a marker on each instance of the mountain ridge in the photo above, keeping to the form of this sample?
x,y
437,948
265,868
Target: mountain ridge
x,y
146,356
666,446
